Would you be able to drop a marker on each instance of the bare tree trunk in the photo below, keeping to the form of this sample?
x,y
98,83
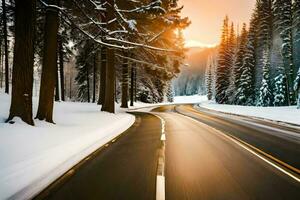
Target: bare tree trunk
x,y
135,84
109,100
61,69
94,77
49,70
70,84
88,82
132,85
1,66
56,97
22,81
125,82
102,77
4,20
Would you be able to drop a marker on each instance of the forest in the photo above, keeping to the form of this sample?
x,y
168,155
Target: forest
x,y
99,51
260,65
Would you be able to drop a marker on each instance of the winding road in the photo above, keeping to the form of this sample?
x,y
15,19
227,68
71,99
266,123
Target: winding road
x,y
178,152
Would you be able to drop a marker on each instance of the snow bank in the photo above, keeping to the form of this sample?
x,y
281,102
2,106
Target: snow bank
x,y
146,107
189,99
33,157
283,114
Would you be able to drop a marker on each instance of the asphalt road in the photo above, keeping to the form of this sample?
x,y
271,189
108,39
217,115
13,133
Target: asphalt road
x,y
279,141
200,161
124,170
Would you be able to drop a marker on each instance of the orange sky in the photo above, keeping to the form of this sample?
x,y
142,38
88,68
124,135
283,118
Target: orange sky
x,y
207,17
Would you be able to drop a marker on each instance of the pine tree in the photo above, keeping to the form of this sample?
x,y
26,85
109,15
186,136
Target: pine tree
x,y
84,66
282,10
245,91
240,58
49,68
222,71
209,79
265,23
280,89
296,41
297,87
169,92
125,82
22,83
5,36
265,95
231,57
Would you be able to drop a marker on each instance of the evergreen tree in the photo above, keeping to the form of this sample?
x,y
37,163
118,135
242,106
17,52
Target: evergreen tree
x,y
125,82
49,68
22,82
223,70
265,97
237,69
231,57
265,24
296,41
209,79
169,92
282,10
280,89
5,36
297,87
245,91
84,66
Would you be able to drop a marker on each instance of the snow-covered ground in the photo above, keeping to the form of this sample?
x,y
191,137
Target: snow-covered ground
x,y
33,157
190,99
283,114
146,107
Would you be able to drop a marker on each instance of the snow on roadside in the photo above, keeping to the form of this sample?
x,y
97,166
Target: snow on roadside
x,y
287,114
190,99
147,107
33,157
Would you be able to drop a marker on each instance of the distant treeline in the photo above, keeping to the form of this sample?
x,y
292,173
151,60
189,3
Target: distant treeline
x,y
259,66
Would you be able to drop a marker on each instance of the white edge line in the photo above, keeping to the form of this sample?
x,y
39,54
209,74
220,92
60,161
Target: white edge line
x,y
248,149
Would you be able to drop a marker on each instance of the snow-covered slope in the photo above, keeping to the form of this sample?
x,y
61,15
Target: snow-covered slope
x,y
32,157
283,114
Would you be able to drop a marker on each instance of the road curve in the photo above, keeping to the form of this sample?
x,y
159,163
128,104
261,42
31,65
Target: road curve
x,y
200,161
203,164
278,141
124,170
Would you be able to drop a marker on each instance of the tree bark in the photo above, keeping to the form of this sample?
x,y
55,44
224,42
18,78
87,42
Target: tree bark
x,y
70,84
135,81
4,20
49,70
132,85
22,81
94,77
125,77
1,66
109,100
88,83
56,97
102,77
61,69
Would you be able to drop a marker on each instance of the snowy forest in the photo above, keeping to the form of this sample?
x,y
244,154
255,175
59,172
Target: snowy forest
x,y
260,65
99,51
191,80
